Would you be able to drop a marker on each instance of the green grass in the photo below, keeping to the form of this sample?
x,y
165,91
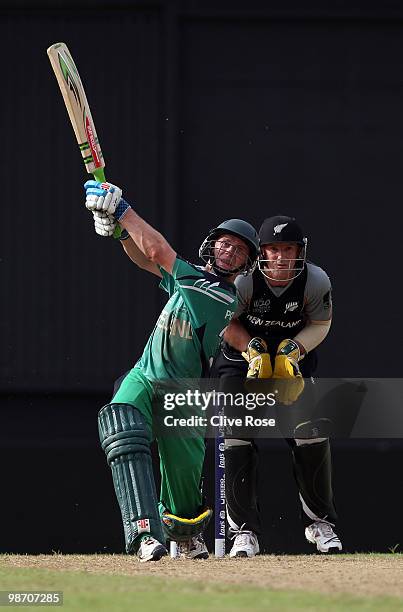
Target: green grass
x,y
97,592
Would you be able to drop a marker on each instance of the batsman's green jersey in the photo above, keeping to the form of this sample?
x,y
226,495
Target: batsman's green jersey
x,y
181,346
187,332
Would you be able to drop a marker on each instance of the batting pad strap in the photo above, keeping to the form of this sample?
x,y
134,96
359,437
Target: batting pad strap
x,y
191,521
181,529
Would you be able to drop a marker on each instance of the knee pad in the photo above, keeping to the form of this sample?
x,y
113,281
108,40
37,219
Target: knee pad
x,y
122,431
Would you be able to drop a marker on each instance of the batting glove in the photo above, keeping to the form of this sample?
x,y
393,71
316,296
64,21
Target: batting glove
x,y
105,197
104,224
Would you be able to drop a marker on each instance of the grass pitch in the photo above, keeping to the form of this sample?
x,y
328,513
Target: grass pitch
x,y
117,582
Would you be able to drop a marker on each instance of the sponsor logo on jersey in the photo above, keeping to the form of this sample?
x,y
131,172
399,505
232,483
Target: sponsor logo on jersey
x,y
279,228
265,323
290,307
143,526
174,325
261,305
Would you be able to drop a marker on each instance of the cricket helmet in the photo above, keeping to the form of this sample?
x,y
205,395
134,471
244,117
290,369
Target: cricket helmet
x,y
236,227
278,229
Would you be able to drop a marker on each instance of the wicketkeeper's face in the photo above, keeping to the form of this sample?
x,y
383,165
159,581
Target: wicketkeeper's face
x,y
230,252
279,260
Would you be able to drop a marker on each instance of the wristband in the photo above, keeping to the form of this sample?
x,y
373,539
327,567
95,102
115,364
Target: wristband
x,y
121,210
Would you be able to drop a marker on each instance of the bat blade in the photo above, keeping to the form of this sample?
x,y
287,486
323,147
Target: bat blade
x,y
78,109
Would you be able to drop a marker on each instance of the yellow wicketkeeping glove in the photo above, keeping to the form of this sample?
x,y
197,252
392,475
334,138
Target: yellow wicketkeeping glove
x,y
286,367
258,358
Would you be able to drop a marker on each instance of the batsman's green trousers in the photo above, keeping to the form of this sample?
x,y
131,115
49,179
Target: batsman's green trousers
x,y
181,455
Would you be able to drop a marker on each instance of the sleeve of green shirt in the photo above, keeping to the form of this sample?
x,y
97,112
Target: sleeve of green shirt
x,y
203,293
167,282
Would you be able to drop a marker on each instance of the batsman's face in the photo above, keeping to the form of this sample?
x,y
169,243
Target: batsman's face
x,y
279,260
230,252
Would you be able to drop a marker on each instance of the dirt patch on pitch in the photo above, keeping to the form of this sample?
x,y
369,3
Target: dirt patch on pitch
x,y
355,574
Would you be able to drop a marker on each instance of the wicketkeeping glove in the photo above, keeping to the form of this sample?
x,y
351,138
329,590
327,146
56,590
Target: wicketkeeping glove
x,y
258,358
105,197
286,367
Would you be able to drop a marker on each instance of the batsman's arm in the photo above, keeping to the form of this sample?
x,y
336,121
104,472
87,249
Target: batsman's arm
x,y
138,257
254,350
237,336
148,240
106,198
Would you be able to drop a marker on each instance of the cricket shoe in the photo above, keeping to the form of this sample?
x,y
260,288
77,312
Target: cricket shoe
x,y
151,550
195,548
321,533
245,545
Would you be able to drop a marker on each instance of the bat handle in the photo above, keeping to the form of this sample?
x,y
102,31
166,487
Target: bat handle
x,y
99,175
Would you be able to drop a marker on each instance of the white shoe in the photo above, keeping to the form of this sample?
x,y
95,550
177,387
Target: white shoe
x,y
245,545
151,550
321,533
195,548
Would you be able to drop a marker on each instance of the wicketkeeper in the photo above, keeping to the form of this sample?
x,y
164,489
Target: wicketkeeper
x,y
202,301
284,313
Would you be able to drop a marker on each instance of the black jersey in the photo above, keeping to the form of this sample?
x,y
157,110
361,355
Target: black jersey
x,y
274,313
272,317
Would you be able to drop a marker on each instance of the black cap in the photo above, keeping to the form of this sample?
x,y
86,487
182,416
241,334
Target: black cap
x,y
280,229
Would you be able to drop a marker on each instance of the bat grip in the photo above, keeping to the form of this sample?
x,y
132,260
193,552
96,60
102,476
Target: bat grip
x,y
99,175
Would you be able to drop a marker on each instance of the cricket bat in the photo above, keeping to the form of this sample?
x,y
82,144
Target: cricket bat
x,y
78,109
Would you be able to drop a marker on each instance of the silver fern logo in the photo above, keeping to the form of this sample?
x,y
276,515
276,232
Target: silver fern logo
x,y
279,228
291,306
